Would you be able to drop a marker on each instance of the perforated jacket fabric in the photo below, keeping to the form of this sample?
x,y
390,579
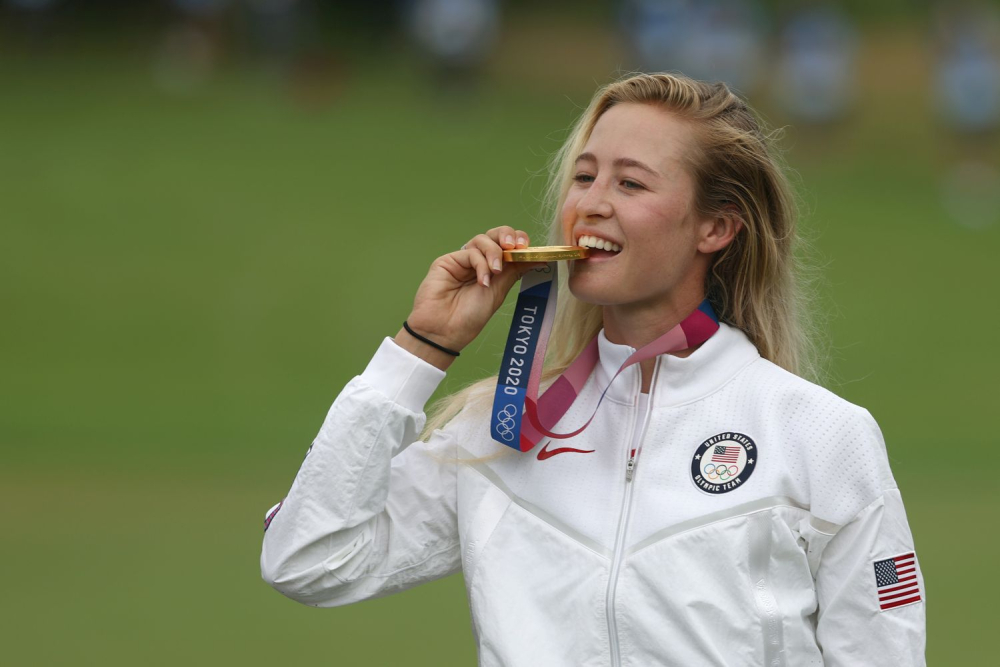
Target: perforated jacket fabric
x,y
569,559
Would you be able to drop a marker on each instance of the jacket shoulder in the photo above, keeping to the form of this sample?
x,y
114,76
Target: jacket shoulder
x,y
831,447
788,389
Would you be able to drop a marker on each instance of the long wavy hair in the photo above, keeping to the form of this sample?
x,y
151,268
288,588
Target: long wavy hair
x,y
758,283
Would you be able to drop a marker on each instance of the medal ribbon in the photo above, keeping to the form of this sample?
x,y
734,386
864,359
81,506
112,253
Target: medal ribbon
x,y
520,372
523,355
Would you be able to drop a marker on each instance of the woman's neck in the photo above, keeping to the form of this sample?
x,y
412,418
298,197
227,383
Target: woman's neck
x,y
637,325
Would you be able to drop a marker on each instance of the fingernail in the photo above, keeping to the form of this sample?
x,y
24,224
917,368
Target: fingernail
x,y
509,240
496,264
486,280
522,241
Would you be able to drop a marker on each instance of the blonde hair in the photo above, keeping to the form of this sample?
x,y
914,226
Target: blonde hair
x,y
756,283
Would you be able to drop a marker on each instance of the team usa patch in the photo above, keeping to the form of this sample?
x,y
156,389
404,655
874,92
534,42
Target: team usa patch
x,y
896,581
724,462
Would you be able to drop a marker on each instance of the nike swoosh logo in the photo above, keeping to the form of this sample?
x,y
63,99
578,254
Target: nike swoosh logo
x,y
546,452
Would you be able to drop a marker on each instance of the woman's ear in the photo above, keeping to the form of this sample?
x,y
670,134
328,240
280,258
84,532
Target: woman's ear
x,y
719,231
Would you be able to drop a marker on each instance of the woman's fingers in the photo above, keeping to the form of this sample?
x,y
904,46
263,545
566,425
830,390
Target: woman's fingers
x,y
490,250
481,265
484,253
494,242
508,237
474,260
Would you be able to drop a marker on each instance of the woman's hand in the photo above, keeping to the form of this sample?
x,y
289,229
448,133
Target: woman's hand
x,y
461,292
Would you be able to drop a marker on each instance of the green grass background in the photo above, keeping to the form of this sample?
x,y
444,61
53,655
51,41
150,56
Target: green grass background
x,y
187,282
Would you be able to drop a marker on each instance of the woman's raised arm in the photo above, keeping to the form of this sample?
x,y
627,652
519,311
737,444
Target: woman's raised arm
x,y
372,511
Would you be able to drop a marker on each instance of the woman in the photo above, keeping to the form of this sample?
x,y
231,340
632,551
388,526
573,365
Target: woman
x,y
718,510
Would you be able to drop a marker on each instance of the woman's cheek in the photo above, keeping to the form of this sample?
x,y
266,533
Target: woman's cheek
x,y
568,218
567,233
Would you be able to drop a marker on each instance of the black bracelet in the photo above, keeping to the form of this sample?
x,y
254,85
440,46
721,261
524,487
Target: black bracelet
x,y
429,342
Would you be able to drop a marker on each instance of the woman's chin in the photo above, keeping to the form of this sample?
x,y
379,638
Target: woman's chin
x,y
594,292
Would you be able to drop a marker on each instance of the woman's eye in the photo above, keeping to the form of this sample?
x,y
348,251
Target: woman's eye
x,y
583,178
631,185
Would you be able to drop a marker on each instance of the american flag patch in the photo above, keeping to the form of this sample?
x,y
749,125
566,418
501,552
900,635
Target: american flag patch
x,y
724,454
896,580
270,514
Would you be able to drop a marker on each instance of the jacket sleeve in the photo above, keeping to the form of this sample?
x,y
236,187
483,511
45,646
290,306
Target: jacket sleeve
x,y
869,587
372,511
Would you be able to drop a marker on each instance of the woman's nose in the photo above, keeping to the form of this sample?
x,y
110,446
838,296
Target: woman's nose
x,y
595,202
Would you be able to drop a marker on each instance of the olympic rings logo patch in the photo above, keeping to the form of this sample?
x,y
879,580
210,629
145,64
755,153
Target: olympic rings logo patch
x,y
505,422
721,472
724,462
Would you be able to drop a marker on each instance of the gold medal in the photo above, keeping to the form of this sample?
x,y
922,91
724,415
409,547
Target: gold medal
x,y
546,253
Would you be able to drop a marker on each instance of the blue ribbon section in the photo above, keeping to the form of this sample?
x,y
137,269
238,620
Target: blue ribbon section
x,y
518,355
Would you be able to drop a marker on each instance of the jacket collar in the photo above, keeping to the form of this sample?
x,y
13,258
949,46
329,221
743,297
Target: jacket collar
x,y
678,379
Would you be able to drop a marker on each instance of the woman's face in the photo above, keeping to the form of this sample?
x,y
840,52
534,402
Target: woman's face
x,y
631,188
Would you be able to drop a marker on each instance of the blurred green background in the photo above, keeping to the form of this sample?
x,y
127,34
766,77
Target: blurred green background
x,y
189,275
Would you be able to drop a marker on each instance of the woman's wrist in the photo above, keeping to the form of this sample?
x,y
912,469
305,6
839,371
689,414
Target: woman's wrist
x,y
419,348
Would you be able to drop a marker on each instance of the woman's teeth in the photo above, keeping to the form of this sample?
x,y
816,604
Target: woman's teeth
x,y
600,244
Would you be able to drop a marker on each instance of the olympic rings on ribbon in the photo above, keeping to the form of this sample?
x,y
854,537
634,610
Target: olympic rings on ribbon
x,y
506,425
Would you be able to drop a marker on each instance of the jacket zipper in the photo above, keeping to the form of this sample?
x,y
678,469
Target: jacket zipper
x,y
623,520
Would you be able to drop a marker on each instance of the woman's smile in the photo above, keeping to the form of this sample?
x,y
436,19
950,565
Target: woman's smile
x,y
602,249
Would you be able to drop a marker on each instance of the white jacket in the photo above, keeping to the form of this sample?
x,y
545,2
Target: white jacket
x,y
568,562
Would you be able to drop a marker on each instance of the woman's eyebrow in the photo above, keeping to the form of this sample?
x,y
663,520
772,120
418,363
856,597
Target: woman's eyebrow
x,y
620,162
